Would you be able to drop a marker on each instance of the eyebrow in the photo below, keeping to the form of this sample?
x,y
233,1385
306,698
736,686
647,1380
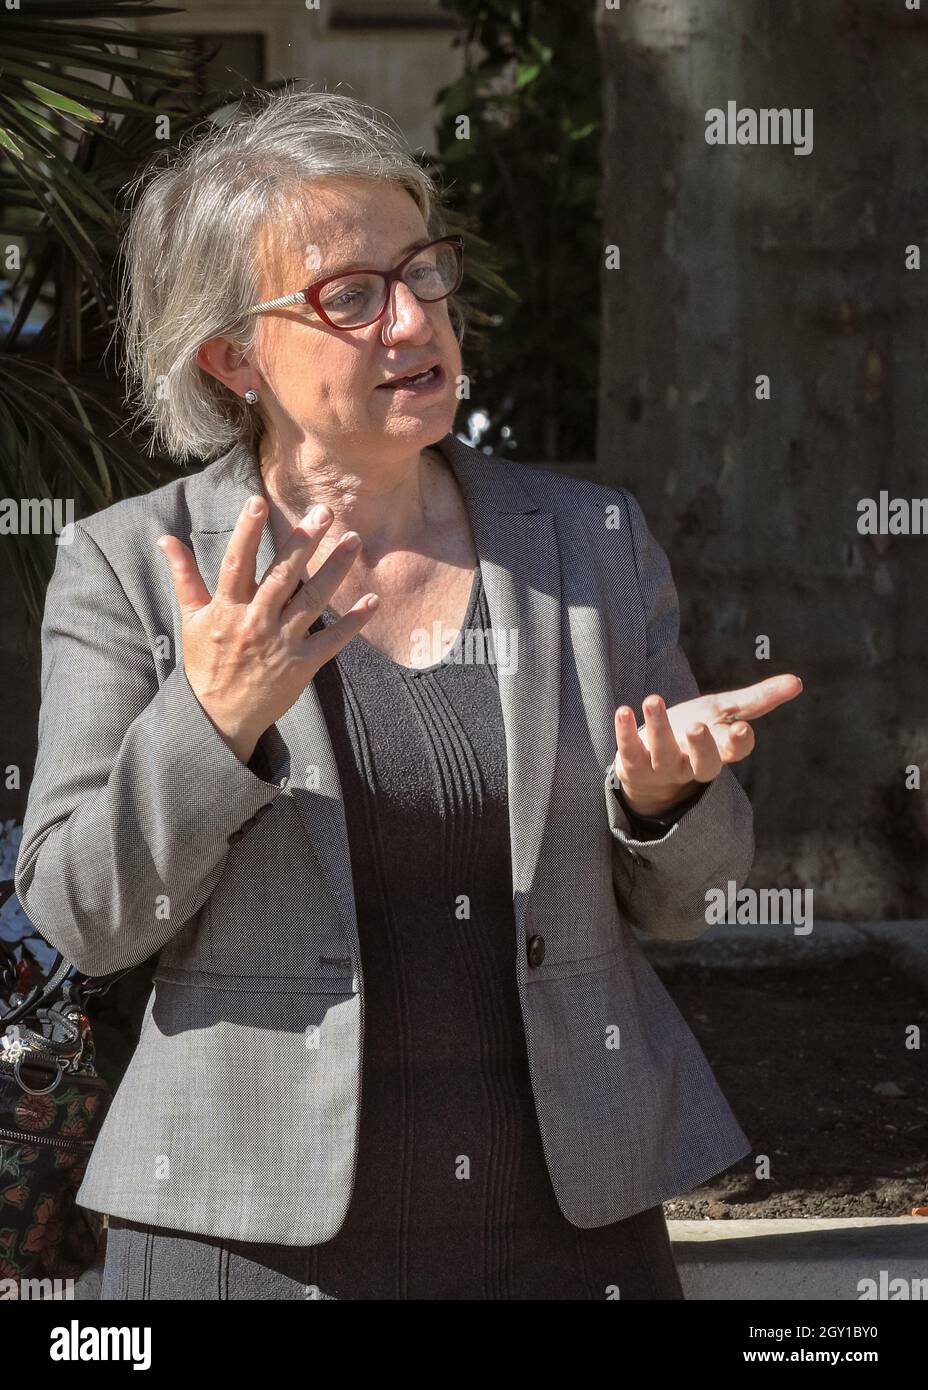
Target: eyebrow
x,y
362,265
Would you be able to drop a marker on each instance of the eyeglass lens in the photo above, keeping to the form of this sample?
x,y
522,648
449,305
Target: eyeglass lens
x,y
356,298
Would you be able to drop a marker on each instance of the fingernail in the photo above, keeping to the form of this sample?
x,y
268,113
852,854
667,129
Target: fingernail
x,y
351,540
372,600
320,514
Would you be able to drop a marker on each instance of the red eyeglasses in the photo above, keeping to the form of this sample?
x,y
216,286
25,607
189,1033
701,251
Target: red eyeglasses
x,y
355,298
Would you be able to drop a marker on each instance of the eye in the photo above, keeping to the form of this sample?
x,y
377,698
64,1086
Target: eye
x,y
342,296
423,271
347,297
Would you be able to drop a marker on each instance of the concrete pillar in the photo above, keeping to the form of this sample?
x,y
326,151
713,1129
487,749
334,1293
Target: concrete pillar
x,y
745,259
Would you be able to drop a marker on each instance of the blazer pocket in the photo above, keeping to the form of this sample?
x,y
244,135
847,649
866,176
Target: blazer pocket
x,y
271,912
587,965
336,983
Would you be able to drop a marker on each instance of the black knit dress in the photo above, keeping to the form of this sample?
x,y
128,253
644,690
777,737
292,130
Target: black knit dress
x,y
452,1197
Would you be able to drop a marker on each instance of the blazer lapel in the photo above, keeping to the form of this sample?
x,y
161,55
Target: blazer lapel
x,y
517,549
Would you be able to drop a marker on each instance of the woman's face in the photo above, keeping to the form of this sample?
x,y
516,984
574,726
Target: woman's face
x,y
324,386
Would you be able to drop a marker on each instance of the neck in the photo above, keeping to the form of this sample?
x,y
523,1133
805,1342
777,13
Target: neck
x,y
388,504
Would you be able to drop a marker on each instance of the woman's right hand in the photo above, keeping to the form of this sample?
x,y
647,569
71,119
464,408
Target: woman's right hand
x,y
246,652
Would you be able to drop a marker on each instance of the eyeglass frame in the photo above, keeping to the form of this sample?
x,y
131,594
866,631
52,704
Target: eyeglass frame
x,y
310,293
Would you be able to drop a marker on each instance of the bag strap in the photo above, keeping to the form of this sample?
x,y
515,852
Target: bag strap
x,y
59,972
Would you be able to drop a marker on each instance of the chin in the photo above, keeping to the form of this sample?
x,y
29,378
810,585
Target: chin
x,y
422,427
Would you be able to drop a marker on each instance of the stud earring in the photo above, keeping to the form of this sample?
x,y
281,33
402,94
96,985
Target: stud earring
x,y
251,396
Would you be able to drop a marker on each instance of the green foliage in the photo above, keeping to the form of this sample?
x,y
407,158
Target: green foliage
x,y
527,173
79,96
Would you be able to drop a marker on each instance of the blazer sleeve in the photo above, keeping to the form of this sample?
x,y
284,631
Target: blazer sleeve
x,y
661,883
135,793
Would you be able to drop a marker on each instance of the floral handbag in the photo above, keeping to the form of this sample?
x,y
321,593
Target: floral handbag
x,y
52,1104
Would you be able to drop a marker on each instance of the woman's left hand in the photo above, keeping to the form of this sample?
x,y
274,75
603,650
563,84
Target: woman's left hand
x,y
677,750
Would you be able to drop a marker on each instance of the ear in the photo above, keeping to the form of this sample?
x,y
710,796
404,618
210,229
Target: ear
x,y
228,364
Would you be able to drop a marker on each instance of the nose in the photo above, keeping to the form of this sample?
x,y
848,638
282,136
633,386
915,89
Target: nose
x,y
405,316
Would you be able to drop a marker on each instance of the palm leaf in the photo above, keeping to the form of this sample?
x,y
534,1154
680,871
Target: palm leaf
x,y
64,156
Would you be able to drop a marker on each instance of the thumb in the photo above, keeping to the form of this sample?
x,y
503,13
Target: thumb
x,y
192,593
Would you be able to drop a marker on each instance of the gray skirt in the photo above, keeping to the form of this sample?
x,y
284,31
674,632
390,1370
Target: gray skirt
x,y
630,1259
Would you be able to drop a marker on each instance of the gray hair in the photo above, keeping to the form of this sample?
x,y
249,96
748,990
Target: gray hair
x,y
190,268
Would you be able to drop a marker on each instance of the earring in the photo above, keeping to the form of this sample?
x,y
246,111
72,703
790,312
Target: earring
x,y
251,396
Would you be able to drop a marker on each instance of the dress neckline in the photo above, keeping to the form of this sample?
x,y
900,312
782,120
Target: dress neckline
x,y
447,660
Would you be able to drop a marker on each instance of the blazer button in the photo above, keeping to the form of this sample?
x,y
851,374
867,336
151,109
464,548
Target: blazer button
x,y
536,950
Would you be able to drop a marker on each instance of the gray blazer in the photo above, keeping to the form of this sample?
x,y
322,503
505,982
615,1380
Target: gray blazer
x,y
238,1114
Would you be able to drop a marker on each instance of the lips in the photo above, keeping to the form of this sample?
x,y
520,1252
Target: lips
x,y
413,377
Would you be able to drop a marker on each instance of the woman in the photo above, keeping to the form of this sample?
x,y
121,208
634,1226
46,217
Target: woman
x,y
401,862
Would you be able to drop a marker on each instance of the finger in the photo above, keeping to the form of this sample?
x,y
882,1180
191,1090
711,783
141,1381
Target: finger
x,y
735,742
633,757
754,700
192,593
280,579
323,645
236,582
306,605
666,755
705,759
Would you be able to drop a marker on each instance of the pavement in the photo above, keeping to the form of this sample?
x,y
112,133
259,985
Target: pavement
x,y
807,1258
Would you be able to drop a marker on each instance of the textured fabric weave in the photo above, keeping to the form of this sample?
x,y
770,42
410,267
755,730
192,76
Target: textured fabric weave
x,y
451,1198
238,1115
149,1263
